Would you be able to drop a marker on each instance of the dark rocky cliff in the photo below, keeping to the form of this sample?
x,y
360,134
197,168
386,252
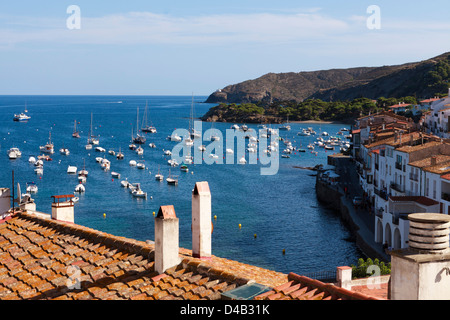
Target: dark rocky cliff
x,y
410,79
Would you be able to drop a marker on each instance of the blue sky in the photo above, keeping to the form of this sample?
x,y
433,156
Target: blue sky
x,y
179,47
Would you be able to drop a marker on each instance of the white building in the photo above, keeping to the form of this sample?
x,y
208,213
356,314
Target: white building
x,y
436,120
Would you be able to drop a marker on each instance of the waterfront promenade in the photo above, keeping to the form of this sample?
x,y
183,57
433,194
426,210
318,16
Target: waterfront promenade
x,y
362,221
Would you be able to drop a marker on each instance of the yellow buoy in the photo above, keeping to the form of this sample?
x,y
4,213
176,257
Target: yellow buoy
x,y
215,217
284,251
153,212
104,215
240,225
254,235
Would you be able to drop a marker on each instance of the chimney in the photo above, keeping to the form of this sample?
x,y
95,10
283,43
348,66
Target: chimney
x,y
166,239
344,277
201,221
433,160
421,272
63,208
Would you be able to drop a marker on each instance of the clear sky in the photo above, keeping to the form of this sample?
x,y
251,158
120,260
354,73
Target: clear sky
x,y
145,47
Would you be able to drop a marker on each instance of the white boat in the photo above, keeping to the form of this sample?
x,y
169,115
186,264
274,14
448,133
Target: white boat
x,y
242,160
229,151
115,174
81,178
75,199
21,117
32,159
71,169
138,193
83,172
167,152
98,159
112,152
32,187
139,139
152,145
145,126
140,165
172,163
171,180
80,188
125,183
105,164
88,146
235,127
120,155
140,151
14,153
91,138
39,170
75,133
100,149
159,177
175,137
202,147
49,147
184,168
132,163
64,151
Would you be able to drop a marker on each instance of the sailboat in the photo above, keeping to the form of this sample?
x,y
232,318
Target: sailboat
x,y
194,134
145,126
75,133
119,155
170,180
159,176
91,138
48,148
138,139
286,126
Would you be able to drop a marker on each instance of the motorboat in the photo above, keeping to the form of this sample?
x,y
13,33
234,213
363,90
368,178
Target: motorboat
x,y
152,145
115,175
125,183
45,157
82,178
14,153
100,149
98,159
105,164
138,192
172,162
184,168
88,146
112,152
167,152
132,163
32,187
39,170
32,159
80,188
140,165
175,137
242,160
64,151
132,146
21,117
140,151
202,147
71,169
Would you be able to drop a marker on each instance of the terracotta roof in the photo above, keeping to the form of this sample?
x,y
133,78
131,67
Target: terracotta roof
x,y
446,176
400,105
426,162
48,259
303,288
429,100
408,149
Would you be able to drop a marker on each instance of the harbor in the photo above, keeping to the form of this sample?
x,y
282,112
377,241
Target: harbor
x,y
280,226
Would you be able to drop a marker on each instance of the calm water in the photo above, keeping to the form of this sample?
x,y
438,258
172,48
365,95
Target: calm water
x,y
282,210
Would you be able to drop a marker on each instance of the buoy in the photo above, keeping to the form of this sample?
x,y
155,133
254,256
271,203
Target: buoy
x,y
153,213
254,235
104,215
284,251
240,225
215,217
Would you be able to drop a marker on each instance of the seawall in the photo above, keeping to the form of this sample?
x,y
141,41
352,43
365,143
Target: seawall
x,y
331,197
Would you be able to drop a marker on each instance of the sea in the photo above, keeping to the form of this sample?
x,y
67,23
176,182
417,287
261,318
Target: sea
x,y
271,221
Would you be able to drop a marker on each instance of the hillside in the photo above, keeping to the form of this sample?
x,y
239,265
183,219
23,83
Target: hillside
x,y
419,79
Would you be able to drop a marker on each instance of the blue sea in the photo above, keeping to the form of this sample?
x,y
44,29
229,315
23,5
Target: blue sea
x,y
282,225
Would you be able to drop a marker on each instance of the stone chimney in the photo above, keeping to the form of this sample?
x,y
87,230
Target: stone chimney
x,y
201,221
63,208
433,160
166,239
422,271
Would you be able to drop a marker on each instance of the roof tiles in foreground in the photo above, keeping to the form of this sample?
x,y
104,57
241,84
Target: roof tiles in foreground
x,y
48,259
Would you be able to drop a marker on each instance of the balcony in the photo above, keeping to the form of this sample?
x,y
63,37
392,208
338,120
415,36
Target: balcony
x,y
414,177
398,166
445,196
397,187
